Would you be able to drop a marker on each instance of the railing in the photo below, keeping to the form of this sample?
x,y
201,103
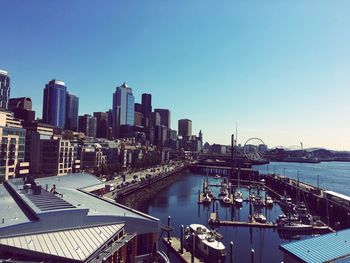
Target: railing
x,y
139,185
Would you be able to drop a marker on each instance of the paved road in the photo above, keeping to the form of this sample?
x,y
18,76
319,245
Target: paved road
x,y
155,171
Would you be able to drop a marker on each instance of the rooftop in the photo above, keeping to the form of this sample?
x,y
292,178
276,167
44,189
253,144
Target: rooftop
x,y
76,244
3,72
333,247
13,214
29,208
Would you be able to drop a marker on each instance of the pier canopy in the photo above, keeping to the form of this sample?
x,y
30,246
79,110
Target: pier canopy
x,y
333,247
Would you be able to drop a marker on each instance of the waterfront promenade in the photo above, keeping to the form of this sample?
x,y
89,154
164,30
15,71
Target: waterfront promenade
x,y
139,179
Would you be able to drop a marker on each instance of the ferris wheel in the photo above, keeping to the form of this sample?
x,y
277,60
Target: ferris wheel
x,y
254,149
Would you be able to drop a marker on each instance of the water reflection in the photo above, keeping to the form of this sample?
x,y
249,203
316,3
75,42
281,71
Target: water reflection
x,y
180,202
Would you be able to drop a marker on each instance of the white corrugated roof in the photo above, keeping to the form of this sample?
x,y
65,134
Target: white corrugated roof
x,y
77,244
10,213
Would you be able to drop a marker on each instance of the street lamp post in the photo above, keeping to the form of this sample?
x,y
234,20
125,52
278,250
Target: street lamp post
x,y
298,172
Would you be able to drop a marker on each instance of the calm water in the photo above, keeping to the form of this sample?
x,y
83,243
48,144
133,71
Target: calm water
x,y
334,176
180,202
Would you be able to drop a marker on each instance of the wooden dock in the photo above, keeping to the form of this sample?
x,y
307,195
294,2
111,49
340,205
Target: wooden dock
x,y
214,221
201,198
175,246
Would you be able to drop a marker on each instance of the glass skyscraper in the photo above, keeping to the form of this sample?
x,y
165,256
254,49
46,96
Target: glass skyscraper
x,y
164,117
55,103
72,112
88,125
123,108
4,89
146,109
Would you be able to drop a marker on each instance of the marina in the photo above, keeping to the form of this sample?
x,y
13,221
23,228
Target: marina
x,y
235,222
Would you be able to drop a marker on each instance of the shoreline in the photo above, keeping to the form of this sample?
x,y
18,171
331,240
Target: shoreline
x,y
139,199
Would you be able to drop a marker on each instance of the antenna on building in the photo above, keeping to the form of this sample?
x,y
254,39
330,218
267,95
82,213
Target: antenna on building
x,y
236,135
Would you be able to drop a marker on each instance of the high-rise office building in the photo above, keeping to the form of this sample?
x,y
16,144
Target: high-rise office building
x,y
138,107
123,108
146,109
88,125
72,112
154,119
164,117
35,132
22,109
56,156
138,114
12,149
54,104
102,124
20,103
138,119
4,89
185,127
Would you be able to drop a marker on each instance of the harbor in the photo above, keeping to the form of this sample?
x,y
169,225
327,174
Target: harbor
x,y
234,221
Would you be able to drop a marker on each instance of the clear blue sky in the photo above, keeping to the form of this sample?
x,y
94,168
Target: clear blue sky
x,y
280,69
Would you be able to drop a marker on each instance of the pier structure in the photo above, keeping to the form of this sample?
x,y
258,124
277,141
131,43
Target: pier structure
x,y
214,169
334,208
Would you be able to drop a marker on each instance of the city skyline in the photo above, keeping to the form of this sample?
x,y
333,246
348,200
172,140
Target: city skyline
x,y
278,70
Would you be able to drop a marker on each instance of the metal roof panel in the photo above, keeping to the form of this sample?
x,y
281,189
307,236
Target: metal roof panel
x,y
323,248
77,244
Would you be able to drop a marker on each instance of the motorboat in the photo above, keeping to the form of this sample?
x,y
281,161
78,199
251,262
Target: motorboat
x,y
286,200
258,201
252,197
294,227
259,217
238,197
223,192
209,192
217,176
283,219
268,201
227,200
207,243
224,183
301,208
304,216
206,199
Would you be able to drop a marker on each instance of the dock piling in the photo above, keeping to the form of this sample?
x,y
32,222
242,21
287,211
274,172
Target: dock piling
x,y
182,240
193,247
217,211
252,256
169,227
231,252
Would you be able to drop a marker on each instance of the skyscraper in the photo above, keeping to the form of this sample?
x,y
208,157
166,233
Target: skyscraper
x,y
54,104
87,125
164,117
123,108
138,114
22,108
146,109
185,128
72,111
4,89
12,149
102,124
